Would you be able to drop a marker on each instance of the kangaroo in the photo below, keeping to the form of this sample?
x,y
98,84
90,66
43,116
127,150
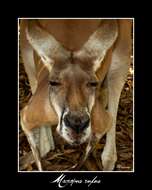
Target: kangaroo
x,y
76,69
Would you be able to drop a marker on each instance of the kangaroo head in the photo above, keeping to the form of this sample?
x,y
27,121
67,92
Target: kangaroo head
x,y
73,80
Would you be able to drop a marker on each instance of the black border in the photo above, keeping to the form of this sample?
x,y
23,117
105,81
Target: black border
x,y
108,179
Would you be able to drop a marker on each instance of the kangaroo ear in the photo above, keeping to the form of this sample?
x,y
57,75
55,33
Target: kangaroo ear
x,y
99,43
46,46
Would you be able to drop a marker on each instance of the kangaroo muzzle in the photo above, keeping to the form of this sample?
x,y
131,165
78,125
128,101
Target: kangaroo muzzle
x,y
75,126
77,121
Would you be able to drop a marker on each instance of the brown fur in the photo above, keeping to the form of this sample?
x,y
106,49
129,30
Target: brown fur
x,y
71,33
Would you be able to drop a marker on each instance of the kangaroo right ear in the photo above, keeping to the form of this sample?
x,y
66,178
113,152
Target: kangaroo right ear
x,y
99,43
46,46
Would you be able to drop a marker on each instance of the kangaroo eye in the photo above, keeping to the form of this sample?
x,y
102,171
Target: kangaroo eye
x,y
54,83
93,84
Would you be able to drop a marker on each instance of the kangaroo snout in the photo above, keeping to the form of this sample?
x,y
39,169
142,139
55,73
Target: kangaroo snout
x,y
77,121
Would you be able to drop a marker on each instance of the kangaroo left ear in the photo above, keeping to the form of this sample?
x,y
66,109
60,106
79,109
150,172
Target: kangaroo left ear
x,y
99,43
46,46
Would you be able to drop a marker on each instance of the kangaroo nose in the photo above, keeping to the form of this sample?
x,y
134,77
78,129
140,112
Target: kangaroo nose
x,y
76,122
